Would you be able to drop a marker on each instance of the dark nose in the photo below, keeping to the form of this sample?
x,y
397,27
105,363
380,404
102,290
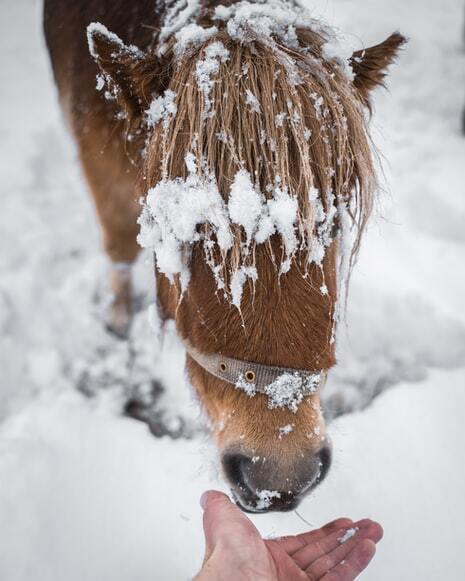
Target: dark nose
x,y
259,484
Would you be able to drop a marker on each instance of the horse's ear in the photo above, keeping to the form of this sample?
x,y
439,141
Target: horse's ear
x,y
370,65
119,65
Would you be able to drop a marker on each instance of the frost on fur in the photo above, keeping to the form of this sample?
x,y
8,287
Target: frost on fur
x,y
175,208
289,389
206,68
162,108
172,212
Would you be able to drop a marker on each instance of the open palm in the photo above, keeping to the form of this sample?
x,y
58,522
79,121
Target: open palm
x,y
236,551
320,554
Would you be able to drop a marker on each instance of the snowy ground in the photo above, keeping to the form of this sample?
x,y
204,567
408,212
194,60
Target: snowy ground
x,y
88,495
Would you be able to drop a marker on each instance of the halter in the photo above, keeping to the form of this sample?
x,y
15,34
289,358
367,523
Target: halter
x,y
255,377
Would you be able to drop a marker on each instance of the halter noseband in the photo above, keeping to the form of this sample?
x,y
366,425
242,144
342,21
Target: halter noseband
x,y
255,377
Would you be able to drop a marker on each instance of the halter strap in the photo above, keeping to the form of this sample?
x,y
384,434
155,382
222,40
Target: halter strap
x,y
255,377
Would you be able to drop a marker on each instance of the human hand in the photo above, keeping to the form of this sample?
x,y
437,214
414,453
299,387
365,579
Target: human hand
x,y
235,551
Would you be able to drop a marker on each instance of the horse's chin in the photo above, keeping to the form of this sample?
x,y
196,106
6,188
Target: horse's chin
x,y
252,506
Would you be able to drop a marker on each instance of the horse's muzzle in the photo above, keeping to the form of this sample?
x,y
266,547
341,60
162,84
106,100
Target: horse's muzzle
x,y
260,484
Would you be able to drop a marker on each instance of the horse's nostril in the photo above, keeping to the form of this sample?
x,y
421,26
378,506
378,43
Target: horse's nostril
x,y
235,466
325,457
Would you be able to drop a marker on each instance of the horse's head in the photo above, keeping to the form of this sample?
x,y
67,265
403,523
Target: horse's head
x,y
260,179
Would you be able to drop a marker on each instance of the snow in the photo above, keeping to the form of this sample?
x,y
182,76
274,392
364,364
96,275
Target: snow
x,y
285,430
180,13
252,101
88,495
100,29
238,279
190,36
78,481
283,210
247,386
245,204
162,108
265,498
174,208
172,211
288,390
349,534
246,19
280,118
215,53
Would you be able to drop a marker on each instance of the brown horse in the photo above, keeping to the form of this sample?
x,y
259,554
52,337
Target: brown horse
x,y
250,136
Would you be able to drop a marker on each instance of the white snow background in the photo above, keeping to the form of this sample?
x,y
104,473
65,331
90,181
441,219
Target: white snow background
x,y
88,495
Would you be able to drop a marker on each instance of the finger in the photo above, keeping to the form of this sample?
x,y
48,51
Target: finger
x,y
318,547
291,544
286,568
328,529
370,531
224,522
357,560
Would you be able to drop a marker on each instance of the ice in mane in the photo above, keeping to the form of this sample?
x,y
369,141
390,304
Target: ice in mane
x,y
273,18
172,212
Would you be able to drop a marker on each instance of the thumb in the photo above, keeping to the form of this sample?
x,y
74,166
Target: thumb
x,y
224,522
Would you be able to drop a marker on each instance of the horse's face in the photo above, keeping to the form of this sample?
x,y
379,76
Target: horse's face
x,y
259,164
271,456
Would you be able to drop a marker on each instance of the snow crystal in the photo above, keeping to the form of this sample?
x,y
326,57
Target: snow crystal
x,y
252,101
348,535
266,498
318,103
324,222
245,20
279,119
238,280
98,28
345,239
245,203
289,389
307,133
100,82
192,35
246,386
283,209
215,54
222,136
162,108
261,218
179,15
285,430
